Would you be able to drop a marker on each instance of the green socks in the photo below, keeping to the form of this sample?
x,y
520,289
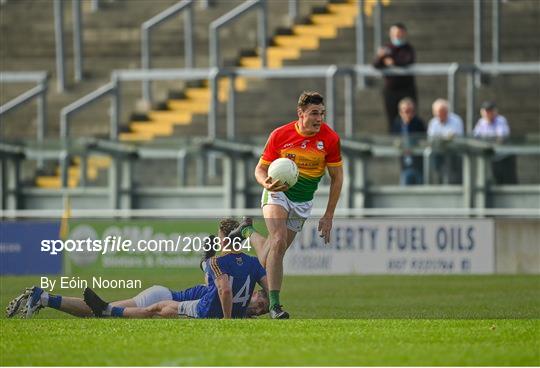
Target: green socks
x,y
247,231
274,298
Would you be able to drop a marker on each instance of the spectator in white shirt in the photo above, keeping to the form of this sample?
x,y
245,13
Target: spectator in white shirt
x,y
491,124
445,124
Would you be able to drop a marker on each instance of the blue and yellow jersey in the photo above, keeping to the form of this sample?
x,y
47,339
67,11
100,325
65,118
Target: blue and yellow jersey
x,y
244,272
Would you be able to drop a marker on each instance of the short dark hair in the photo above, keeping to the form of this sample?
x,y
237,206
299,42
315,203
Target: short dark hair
x,y
406,101
227,225
489,105
399,25
310,98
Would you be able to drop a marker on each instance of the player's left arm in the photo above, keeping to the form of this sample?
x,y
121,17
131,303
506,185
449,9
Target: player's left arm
x,y
225,294
336,182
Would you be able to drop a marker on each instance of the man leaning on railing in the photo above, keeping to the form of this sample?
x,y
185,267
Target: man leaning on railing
x,y
492,126
410,127
443,127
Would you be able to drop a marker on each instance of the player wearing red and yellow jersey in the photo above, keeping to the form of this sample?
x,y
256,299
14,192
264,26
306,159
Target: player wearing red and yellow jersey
x,y
311,153
314,147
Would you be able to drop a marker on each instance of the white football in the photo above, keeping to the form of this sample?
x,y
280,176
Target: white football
x,y
284,170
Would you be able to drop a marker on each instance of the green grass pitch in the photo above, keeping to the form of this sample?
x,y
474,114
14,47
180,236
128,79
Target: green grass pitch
x,y
338,320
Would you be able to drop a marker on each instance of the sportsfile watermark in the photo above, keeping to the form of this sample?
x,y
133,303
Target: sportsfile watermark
x,y
119,244
358,246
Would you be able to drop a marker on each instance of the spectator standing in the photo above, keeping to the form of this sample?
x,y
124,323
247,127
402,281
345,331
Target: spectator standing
x,y
398,53
410,127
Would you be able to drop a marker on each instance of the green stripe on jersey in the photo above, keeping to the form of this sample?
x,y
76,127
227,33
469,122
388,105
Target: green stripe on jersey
x,y
303,190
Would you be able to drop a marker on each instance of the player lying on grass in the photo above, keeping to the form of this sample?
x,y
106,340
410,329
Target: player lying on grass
x,y
35,298
231,281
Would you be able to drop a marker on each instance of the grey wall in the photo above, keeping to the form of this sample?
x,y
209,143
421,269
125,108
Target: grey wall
x,y
517,246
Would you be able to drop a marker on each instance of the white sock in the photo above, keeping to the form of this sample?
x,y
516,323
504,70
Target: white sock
x,y
44,299
108,310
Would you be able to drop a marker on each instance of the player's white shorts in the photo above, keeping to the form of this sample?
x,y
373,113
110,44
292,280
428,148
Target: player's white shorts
x,y
155,294
188,308
298,211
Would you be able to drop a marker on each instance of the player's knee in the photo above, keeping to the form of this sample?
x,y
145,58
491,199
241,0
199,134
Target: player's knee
x,y
278,242
150,311
168,310
279,248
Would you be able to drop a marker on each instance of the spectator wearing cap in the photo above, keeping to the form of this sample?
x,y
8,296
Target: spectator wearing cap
x,y
445,125
410,127
492,126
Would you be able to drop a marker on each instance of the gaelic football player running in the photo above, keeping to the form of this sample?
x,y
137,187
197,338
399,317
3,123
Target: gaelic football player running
x,y
314,147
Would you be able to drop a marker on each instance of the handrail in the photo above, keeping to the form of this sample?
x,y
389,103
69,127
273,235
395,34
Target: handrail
x,y
234,14
21,99
240,153
78,54
478,19
190,213
164,16
360,35
132,75
59,37
7,149
321,71
293,11
509,68
23,77
77,105
59,45
39,91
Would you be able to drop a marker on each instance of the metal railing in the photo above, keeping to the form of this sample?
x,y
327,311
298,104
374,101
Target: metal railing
x,y
59,45
262,31
293,11
94,5
328,72
233,15
78,59
360,34
39,91
377,26
478,32
69,110
213,213
78,53
185,6
475,196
